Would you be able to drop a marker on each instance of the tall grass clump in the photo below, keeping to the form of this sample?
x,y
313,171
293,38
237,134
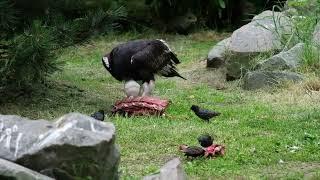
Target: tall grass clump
x,y
311,59
305,25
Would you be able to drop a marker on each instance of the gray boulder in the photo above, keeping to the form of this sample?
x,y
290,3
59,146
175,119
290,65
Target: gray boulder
x,y
261,35
288,60
172,170
260,79
216,56
74,145
10,170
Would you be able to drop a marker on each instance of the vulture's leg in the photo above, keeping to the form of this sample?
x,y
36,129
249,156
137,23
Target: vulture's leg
x,y
148,88
151,85
131,88
145,89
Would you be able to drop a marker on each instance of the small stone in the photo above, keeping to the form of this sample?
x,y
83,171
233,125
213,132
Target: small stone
x,y
172,170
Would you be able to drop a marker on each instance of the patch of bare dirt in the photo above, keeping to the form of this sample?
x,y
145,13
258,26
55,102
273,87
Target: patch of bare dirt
x,y
205,35
198,73
313,85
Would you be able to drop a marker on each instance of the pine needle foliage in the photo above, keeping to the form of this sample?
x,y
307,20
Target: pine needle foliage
x,y
102,21
92,22
27,53
30,57
8,19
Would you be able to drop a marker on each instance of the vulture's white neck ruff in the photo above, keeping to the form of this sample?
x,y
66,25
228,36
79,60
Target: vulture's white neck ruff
x,y
106,61
165,43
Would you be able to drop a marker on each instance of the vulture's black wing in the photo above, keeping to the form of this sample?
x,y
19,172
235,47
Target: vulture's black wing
x,y
156,57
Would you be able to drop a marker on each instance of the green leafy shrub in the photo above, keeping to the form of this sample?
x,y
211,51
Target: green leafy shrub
x,y
30,57
28,42
304,27
305,7
101,21
8,19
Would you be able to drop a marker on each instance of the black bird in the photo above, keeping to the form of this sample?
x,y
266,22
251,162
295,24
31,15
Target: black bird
x,y
205,140
192,151
98,115
204,113
140,60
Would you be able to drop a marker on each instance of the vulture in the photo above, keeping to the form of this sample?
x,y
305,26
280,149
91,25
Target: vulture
x,y
137,62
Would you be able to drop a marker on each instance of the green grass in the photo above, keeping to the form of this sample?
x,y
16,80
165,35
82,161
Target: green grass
x,y
258,127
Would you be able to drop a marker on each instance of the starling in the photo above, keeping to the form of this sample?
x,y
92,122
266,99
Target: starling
x,y
192,151
98,115
205,140
203,113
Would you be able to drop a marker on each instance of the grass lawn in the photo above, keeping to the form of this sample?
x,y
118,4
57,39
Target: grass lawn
x,y
268,134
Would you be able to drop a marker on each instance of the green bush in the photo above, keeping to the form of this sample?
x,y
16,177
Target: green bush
x,y
8,19
30,57
28,42
101,21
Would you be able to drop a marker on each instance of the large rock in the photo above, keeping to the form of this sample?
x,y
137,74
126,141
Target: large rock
x,y
287,60
10,170
260,79
261,35
172,170
74,145
216,56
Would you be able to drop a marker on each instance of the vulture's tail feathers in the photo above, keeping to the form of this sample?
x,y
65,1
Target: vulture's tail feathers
x,y
170,71
178,75
173,57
